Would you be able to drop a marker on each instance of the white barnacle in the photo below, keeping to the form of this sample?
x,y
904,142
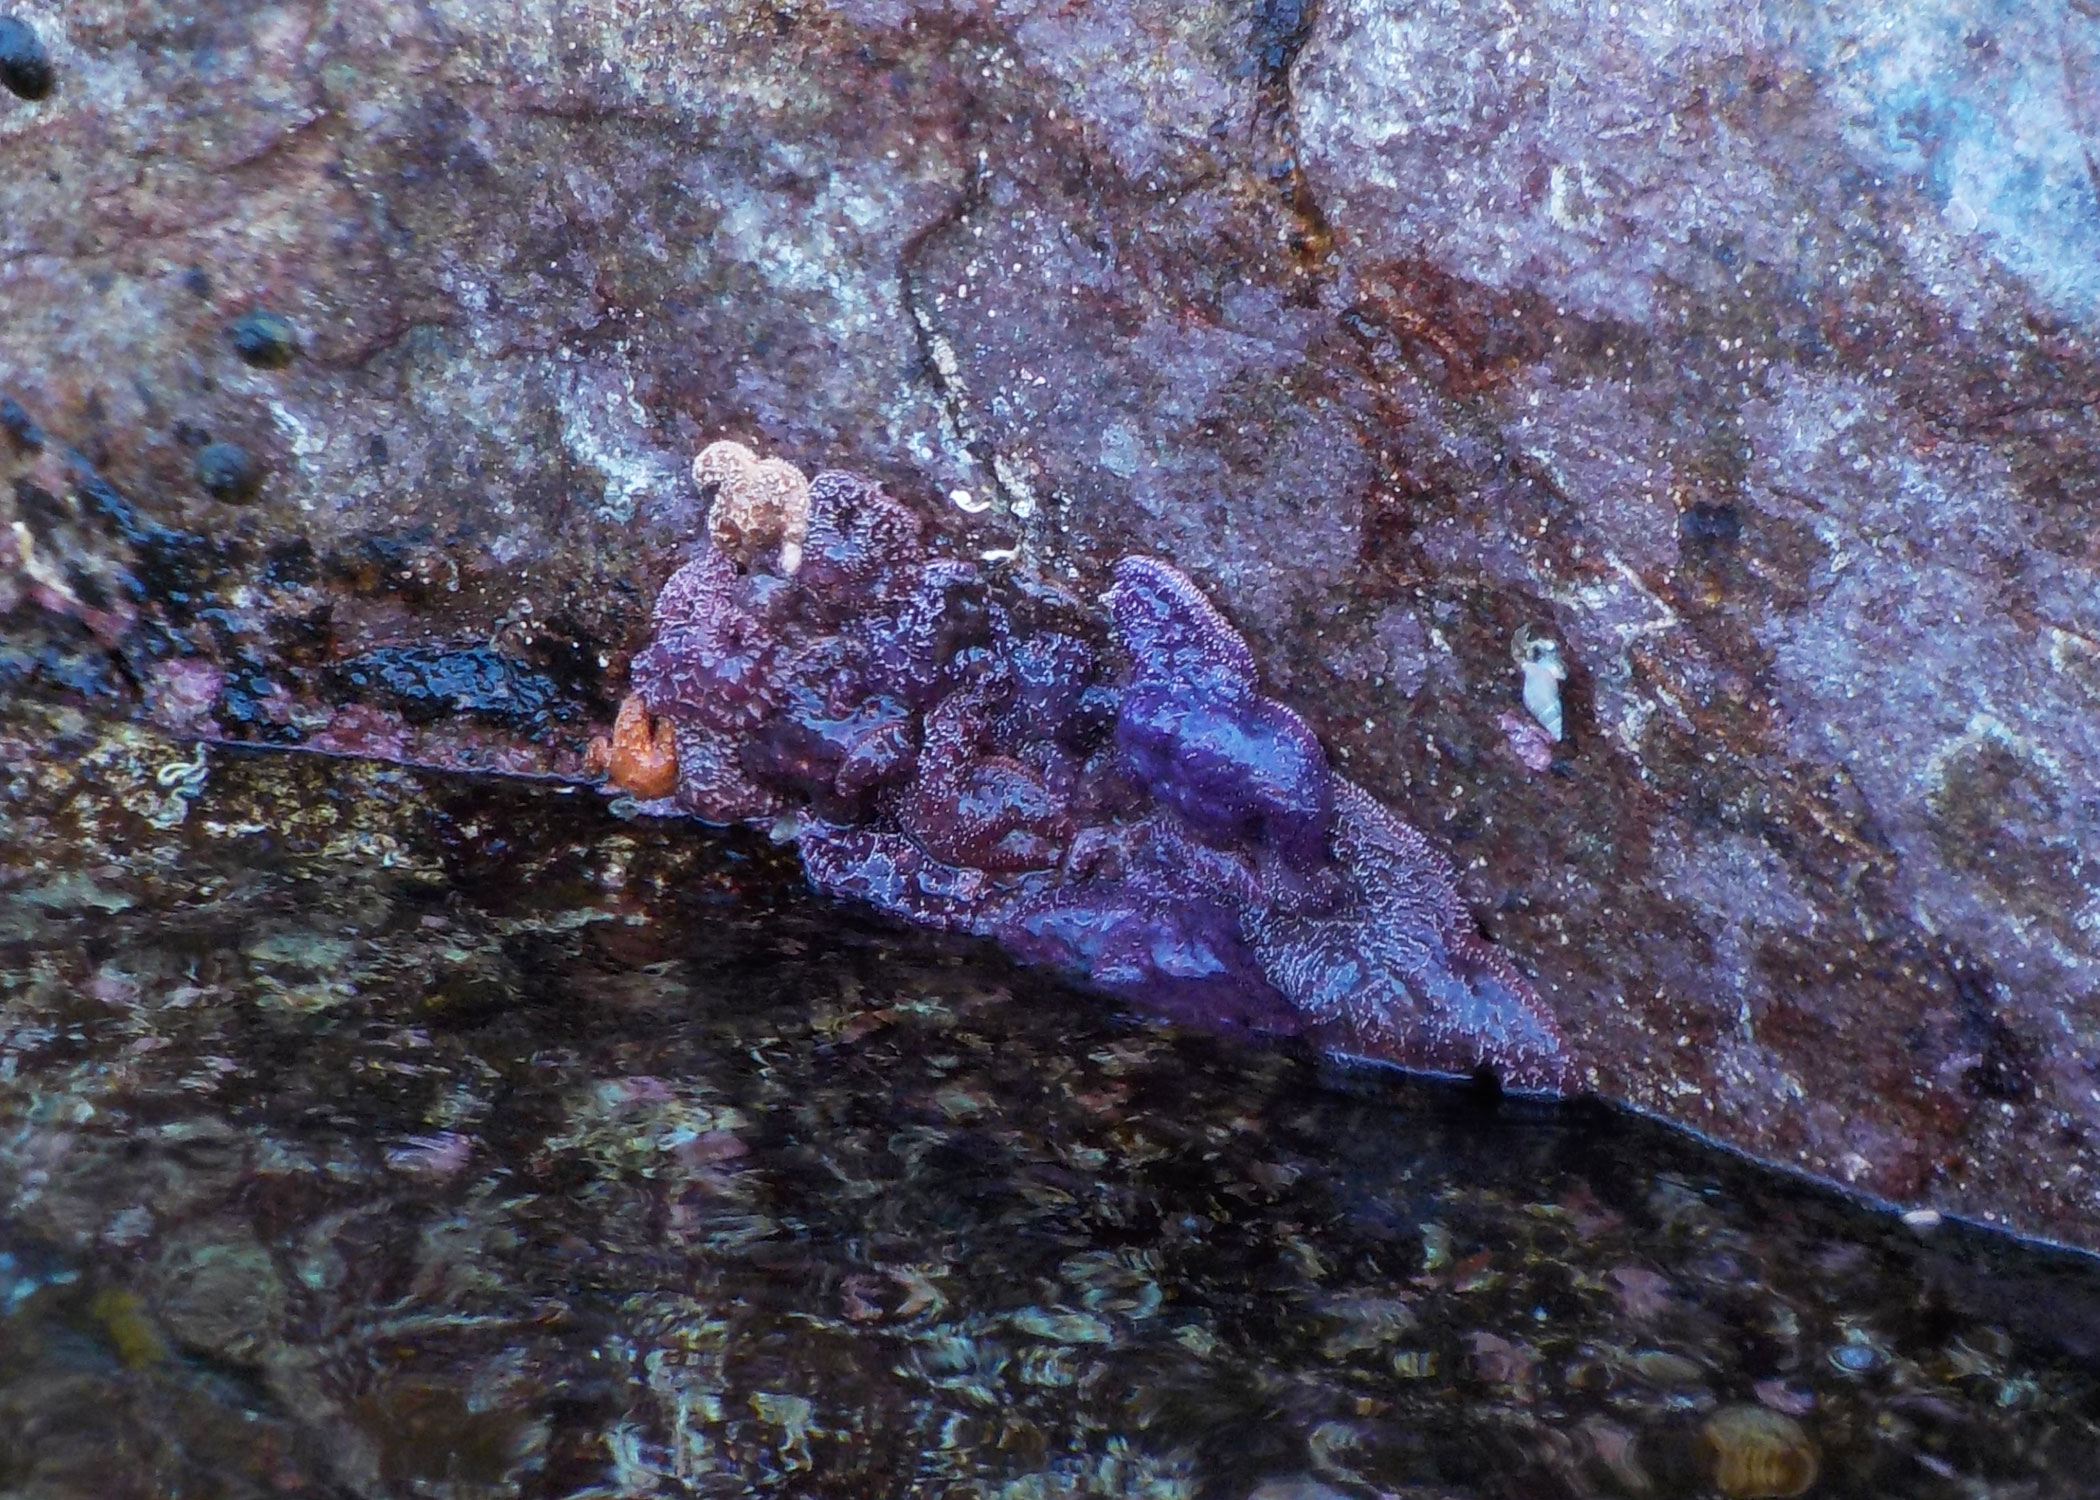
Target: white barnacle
x,y
1538,656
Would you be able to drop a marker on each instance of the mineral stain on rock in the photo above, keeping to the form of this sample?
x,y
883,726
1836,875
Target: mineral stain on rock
x,y
957,745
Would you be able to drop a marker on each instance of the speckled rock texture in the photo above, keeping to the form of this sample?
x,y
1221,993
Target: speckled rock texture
x,y
1745,350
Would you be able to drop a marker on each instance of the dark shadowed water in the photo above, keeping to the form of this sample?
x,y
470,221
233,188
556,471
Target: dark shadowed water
x,y
371,1133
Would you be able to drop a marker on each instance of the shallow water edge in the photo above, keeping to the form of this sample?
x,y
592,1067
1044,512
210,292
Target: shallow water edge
x,y
373,1131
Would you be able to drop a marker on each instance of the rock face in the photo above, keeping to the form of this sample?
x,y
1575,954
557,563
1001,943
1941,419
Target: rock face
x,y
1744,351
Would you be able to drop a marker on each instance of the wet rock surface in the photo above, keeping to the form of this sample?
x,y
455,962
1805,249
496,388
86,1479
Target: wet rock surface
x,y
1745,352
386,1133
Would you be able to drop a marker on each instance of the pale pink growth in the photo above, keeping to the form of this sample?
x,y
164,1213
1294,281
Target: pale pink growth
x,y
359,729
857,1297
46,586
760,505
180,693
721,461
1618,1449
1526,740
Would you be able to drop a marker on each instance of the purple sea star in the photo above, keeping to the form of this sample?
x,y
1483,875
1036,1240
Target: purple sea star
x,y
962,748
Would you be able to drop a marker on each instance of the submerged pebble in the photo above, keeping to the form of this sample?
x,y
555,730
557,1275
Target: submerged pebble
x,y
1759,1454
1856,1357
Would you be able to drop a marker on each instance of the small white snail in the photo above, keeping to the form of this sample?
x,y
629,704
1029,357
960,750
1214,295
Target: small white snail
x,y
1544,672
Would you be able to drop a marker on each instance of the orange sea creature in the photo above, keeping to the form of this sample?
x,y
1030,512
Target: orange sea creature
x,y
641,758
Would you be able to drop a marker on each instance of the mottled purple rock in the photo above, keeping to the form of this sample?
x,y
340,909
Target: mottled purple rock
x,y
1161,825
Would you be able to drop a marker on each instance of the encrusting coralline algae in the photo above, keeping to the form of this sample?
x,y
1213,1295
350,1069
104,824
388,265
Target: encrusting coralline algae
x,y
959,746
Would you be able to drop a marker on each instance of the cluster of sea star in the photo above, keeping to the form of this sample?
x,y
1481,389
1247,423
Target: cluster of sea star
x,y
968,747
